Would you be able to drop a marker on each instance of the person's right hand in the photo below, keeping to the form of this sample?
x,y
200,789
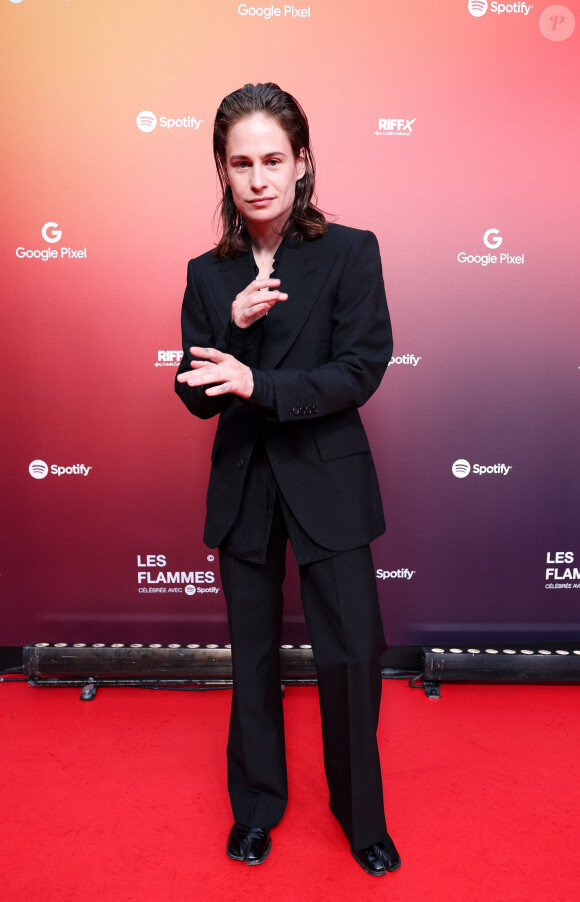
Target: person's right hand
x,y
255,301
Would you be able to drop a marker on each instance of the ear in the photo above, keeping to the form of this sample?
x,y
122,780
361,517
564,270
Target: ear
x,y
300,165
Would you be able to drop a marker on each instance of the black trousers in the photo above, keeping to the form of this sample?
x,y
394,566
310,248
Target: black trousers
x,y
340,603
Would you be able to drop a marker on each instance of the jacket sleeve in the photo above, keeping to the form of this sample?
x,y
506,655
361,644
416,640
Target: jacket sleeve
x,y
360,347
197,330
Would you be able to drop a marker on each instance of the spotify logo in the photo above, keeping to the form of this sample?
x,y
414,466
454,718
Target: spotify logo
x,y
461,468
38,469
477,8
146,121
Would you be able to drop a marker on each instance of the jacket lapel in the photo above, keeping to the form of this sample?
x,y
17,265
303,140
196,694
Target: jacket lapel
x,y
303,272
304,269
233,276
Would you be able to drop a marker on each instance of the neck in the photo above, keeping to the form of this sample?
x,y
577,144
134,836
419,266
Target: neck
x,y
264,243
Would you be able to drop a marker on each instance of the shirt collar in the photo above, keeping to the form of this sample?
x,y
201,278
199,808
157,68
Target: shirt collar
x,y
277,255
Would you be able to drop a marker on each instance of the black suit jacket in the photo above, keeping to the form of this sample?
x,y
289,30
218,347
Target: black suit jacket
x,y
325,349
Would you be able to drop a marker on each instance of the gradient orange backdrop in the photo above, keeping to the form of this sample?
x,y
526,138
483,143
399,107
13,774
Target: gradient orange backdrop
x,y
493,144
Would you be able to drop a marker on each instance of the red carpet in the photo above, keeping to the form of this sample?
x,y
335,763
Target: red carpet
x,y
124,798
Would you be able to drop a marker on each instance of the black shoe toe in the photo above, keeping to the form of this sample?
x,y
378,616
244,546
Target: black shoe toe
x,y
258,843
235,843
249,844
379,858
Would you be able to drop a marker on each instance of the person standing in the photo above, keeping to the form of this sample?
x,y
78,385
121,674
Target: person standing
x,y
286,333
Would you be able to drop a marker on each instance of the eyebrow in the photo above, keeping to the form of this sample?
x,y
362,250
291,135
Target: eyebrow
x,y
244,156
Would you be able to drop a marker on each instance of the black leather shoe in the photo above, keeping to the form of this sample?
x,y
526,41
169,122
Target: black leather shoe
x,y
249,844
378,858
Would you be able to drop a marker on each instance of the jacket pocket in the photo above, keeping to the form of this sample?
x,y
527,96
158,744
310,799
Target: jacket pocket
x,y
341,439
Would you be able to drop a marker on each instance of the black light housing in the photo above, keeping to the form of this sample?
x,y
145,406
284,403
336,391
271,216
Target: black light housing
x,y
499,663
138,664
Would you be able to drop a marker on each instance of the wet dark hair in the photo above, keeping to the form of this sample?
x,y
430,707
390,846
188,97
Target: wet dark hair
x,y
305,220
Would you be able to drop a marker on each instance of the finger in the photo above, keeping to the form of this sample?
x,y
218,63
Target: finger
x,y
259,310
205,366
192,378
278,296
259,285
264,303
268,297
195,379
206,354
202,374
222,389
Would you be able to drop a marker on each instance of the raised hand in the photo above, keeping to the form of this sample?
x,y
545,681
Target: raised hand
x,y
255,301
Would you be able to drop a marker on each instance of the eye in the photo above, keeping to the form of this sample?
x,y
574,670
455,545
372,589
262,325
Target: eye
x,y
241,164
273,163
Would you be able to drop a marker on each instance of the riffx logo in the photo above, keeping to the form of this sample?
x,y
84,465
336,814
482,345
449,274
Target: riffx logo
x,y
168,358
393,126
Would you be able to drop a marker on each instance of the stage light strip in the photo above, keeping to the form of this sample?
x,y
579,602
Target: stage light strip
x,y
505,651
526,665
136,663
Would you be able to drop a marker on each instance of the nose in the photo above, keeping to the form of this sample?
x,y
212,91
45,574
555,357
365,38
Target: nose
x,y
258,179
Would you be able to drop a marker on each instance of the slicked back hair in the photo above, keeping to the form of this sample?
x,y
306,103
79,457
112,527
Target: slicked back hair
x,y
305,219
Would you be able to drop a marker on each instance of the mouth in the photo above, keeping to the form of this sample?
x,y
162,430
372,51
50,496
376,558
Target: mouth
x,y
261,201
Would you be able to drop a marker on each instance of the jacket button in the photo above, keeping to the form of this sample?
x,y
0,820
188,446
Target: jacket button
x,y
302,411
295,411
315,408
240,464
307,411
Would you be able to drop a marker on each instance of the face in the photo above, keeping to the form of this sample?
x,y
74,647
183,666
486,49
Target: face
x,y
262,171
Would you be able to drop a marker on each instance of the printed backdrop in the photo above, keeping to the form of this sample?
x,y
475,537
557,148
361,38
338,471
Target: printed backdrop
x,y
450,129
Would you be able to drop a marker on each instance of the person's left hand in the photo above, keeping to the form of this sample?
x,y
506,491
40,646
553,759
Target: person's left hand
x,y
216,367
